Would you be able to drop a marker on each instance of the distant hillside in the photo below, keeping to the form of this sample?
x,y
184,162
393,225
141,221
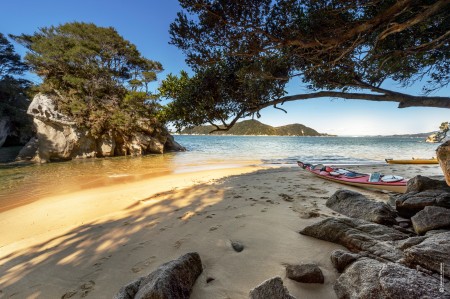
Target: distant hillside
x,y
254,127
419,135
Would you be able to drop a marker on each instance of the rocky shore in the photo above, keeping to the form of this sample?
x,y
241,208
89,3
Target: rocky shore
x,y
59,138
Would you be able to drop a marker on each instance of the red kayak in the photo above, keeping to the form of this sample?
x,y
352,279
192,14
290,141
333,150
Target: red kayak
x,y
344,176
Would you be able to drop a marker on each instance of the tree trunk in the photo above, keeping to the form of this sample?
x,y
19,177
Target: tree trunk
x,y
443,156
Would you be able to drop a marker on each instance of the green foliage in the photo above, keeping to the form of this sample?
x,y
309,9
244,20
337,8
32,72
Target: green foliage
x,y
10,62
13,89
98,78
220,91
339,45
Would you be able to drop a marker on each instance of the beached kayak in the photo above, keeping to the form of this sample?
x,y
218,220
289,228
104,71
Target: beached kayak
x,y
364,180
413,161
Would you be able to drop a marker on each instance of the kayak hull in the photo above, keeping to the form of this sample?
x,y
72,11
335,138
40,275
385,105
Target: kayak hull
x,y
413,161
362,182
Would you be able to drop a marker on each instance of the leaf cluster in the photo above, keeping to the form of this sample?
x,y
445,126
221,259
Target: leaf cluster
x,y
13,89
221,90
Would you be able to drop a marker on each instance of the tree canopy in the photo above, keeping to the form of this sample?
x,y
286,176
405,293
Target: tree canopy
x,y
13,88
98,78
246,51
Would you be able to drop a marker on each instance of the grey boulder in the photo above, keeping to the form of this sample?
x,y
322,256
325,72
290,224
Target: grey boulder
x,y
371,279
431,254
272,288
356,205
430,218
174,279
359,235
422,192
341,259
421,183
307,273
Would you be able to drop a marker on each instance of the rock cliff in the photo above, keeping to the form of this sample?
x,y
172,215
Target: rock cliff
x,y
59,138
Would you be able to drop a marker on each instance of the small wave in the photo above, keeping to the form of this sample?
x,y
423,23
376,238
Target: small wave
x,y
335,160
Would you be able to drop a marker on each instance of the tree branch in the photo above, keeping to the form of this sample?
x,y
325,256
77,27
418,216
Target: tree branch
x,y
426,13
404,100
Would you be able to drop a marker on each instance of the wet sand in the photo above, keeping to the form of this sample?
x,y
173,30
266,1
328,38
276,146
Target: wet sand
x,y
92,242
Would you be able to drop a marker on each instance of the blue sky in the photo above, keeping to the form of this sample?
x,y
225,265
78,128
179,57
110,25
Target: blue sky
x,y
146,24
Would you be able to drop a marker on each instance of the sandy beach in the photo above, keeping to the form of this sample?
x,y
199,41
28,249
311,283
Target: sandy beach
x,y
91,243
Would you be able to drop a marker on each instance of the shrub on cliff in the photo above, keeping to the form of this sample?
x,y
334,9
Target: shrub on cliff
x,y
98,78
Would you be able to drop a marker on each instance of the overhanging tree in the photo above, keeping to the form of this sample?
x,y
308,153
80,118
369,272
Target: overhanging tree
x,y
98,78
245,52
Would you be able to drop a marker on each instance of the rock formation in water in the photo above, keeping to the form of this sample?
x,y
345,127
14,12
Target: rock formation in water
x,y
59,138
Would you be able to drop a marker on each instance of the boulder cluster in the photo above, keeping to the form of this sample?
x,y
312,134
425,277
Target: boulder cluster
x,y
400,251
393,251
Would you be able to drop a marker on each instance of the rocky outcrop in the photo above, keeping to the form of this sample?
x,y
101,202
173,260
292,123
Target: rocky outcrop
x,y
431,253
443,156
59,138
307,273
356,205
341,259
272,288
430,218
371,279
28,152
172,146
392,262
174,279
422,192
359,235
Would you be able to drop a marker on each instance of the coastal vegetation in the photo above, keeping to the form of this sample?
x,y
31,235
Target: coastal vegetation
x,y
244,55
254,127
14,92
95,76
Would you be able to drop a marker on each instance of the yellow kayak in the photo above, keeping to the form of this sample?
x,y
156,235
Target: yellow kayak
x,y
413,161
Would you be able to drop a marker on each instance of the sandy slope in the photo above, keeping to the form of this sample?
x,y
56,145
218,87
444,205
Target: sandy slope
x,y
91,243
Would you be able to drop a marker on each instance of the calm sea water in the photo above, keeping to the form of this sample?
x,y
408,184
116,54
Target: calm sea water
x,y
20,183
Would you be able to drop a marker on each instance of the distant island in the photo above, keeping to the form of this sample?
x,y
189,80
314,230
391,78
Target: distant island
x,y
255,128
417,135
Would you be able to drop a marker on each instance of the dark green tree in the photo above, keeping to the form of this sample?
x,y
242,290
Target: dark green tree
x,y
13,91
336,48
97,77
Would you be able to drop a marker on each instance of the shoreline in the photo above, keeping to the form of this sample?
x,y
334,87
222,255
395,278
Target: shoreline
x,y
93,243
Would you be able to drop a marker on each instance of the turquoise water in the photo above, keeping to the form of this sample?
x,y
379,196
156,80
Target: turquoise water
x,y
287,150
21,183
